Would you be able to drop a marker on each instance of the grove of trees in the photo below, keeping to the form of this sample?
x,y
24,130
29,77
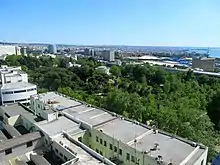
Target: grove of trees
x,y
184,104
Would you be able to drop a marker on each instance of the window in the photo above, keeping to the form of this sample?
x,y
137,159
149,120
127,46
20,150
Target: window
x,y
101,153
110,146
61,154
202,162
100,141
115,149
38,105
132,158
97,150
8,151
20,100
105,143
29,144
9,92
65,158
120,151
6,102
97,139
128,156
90,135
56,150
20,91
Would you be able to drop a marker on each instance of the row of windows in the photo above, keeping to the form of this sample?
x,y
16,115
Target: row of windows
x,y
56,150
20,91
15,101
9,151
104,143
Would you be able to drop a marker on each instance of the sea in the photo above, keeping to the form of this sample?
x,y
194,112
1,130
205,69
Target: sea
x,y
214,52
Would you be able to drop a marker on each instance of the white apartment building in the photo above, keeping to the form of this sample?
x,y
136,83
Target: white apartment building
x,y
15,86
9,50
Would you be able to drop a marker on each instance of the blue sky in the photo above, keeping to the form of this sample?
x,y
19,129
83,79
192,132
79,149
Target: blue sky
x,y
114,22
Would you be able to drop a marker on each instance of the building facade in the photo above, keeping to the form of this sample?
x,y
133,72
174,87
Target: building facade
x,y
52,49
15,86
206,64
108,55
9,50
24,51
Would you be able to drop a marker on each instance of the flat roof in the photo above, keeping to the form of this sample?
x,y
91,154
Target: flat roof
x,y
16,109
57,126
84,157
13,109
17,85
89,115
10,143
60,102
122,130
127,132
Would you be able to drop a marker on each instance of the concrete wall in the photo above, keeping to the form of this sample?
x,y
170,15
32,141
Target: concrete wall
x,y
20,150
14,121
39,160
202,159
61,152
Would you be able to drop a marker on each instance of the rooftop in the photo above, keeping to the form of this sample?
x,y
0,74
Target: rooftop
x,y
13,110
16,109
89,114
18,85
58,101
127,132
84,157
57,126
10,143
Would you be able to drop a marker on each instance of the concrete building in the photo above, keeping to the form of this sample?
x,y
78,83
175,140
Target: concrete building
x,y
18,51
120,140
87,52
206,64
42,140
9,50
15,86
24,51
52,49
108,55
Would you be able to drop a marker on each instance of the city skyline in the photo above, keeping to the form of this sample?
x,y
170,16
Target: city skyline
x,y
136,23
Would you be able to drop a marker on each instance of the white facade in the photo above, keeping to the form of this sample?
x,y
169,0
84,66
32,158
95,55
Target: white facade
x,y
15,86
7,49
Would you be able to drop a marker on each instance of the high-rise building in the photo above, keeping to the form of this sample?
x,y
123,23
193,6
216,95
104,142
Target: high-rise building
x,y
92,52
108,55
24,51
204,63
17,50
14,86
52,49
87,52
